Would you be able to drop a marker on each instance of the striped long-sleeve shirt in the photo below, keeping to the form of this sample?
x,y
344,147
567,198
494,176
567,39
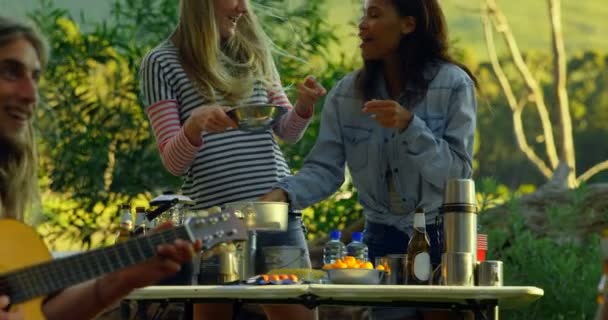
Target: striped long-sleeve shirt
x,y
229,166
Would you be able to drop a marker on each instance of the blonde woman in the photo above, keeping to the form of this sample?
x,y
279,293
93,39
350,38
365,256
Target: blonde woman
x,y
218,56
23,55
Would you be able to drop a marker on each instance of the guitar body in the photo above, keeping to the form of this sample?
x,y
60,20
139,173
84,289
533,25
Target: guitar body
x,y
20,246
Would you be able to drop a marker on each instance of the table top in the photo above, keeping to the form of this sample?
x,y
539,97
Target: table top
x,y
507,296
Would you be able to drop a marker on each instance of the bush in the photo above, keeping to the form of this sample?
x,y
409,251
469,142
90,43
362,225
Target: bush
x,y
567,268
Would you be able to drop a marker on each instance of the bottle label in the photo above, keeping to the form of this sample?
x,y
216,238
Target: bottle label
x,y
422,266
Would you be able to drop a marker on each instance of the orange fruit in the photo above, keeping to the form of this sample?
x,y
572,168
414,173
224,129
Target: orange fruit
x,y
352,264
349,258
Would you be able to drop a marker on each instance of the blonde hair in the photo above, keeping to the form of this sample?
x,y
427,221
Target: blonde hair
x,y
230,68
18,161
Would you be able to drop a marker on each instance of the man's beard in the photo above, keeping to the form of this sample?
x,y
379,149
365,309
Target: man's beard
x,y
12,150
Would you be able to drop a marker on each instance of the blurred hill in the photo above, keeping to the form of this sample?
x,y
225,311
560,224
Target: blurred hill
x,y
583,21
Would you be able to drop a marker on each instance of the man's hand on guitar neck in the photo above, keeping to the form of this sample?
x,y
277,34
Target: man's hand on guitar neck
x,y
168,261
86,300
4,315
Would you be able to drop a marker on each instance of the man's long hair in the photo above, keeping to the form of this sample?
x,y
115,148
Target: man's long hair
x,y
419,51
229,67
18,160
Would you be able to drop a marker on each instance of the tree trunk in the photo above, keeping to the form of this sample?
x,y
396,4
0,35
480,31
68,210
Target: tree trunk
x,y
561,91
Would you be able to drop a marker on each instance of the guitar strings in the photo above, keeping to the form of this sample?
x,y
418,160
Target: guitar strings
x,y
45,278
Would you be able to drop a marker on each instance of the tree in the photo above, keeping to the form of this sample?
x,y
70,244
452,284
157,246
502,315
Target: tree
x,y
560,161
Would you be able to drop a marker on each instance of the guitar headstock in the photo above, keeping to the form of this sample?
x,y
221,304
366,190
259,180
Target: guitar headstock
x,y
225,226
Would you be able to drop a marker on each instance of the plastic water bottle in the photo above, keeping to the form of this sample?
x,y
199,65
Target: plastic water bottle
x,y
357,248
334,248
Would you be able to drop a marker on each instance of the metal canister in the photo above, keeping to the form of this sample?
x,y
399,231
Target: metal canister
x,y
459,212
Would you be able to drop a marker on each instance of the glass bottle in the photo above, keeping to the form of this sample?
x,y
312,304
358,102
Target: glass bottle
x,y
418,268
141,221
126,223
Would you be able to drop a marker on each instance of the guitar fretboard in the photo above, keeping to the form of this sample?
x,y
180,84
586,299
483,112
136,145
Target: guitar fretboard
x,y
49,277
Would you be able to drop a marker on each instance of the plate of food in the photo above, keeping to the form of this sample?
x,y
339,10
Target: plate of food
x,y
304,274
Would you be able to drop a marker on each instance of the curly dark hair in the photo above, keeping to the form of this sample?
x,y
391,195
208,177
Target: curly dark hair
x,y
419,51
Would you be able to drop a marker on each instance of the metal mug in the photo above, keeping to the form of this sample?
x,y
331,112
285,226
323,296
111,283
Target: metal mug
x,y
490,273
221,265
396,268
457,269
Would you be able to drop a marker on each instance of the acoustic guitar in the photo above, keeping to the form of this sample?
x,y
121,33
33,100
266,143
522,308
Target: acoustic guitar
x,y
28,273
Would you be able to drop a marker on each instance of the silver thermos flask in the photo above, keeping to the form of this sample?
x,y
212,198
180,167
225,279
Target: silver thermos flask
x,y
459,211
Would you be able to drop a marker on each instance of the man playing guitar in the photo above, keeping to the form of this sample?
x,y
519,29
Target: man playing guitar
x,y
23,56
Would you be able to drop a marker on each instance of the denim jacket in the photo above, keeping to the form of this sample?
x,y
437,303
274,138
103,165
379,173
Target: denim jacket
x,y
436,146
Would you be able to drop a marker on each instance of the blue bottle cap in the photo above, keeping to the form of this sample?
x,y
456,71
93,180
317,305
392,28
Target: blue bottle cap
x,y
335,235
357,236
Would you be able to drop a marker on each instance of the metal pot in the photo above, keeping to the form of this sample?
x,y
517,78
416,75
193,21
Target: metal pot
x,y
262,215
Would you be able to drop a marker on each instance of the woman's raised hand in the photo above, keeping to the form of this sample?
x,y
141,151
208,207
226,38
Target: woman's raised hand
x,y
309,93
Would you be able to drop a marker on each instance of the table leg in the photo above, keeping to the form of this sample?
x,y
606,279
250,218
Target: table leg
x,y
188,310
493,312
491,309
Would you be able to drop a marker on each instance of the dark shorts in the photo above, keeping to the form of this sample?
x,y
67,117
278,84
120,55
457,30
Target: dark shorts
x,y
382,240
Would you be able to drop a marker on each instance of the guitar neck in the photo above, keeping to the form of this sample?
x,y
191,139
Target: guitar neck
x,y
42,279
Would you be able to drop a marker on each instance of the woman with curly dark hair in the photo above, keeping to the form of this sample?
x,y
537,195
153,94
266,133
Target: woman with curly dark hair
x,y
404,124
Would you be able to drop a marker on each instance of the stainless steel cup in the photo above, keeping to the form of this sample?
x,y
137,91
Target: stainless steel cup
x,y
457,269
490,273
397,264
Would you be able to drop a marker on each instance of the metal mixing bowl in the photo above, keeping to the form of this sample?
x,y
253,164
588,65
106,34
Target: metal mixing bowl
x,y
256,117
355,276
262,215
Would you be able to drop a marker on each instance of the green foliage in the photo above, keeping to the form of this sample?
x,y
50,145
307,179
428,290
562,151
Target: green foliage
x,y
566,267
